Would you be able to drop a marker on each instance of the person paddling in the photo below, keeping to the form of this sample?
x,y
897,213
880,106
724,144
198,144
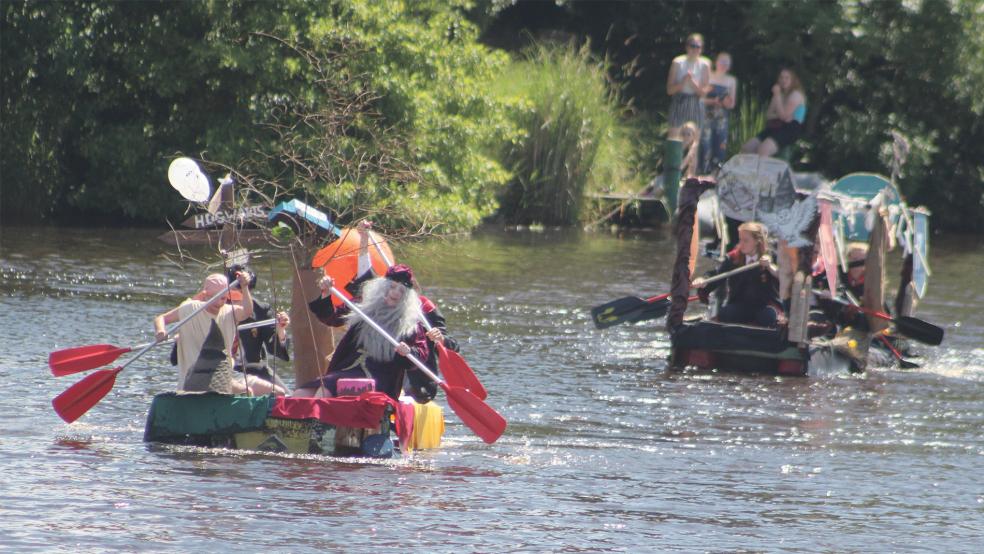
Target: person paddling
x,y
753,296
206,342
418,385
259,342
391,302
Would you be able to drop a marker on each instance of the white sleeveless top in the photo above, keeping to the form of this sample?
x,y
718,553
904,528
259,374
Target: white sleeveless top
x,y
195,331
684,66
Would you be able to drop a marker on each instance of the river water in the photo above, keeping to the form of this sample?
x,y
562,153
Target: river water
x,y
606,449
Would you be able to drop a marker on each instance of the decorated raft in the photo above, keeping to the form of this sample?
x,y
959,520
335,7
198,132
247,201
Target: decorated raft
x,y
345,426
707,344
812,228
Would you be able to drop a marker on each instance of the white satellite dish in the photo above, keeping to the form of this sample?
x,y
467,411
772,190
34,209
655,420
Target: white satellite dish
x,y
187,178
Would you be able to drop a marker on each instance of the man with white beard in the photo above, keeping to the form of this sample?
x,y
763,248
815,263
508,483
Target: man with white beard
x,y
392,303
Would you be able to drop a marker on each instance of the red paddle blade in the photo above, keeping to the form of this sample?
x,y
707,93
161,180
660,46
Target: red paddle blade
x,y
458,373
83,358
80,397
477,415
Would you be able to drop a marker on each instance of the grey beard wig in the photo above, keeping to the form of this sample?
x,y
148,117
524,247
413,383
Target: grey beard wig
x,y
399,320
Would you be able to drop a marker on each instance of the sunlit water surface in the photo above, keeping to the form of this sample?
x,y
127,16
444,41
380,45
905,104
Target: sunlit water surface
x,y
606,450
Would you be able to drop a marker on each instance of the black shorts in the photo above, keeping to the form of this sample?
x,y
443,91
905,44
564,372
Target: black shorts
x,y
782,132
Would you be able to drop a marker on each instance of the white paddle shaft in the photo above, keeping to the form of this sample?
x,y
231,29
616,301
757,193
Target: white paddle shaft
x,y
386,335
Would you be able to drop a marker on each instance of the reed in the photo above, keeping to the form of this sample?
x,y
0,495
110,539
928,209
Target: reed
x,y
574,137
747,120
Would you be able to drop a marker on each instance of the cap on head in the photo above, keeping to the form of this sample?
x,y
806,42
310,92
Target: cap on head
x,y
401,273
214,284
231,274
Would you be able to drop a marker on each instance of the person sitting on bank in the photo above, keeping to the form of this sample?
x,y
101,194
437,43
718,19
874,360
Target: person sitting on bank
x,y
394,305
784,117
206,341
258,342
753,296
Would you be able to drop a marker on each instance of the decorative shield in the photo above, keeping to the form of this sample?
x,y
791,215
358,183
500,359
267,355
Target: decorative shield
x,y
749,185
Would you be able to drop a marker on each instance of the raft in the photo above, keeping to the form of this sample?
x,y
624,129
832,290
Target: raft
x,y
369,425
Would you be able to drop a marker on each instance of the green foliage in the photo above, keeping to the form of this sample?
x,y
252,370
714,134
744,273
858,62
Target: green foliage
x,y
574,135
745,121
98,97
433,80
868,68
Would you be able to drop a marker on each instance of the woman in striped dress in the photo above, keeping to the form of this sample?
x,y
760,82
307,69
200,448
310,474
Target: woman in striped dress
x,y
686,84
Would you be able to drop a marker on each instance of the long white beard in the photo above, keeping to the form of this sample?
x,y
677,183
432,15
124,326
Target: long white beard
x,y
399,320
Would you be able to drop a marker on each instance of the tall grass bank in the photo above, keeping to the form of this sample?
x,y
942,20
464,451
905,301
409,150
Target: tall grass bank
x,y
574,139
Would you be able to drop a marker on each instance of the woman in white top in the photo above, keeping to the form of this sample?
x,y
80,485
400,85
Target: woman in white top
x,y
207,341
688,79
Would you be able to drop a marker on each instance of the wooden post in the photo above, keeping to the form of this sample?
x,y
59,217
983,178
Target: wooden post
x,y
800,307
874,274
227,239
313,340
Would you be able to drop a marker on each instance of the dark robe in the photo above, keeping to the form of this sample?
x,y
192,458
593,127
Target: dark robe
x,y
257,342
421,387
349,361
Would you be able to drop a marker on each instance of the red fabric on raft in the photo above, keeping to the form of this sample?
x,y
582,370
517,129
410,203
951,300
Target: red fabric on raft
x,y
365,411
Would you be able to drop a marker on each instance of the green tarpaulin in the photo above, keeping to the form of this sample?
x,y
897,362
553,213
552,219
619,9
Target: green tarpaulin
x,y
178,415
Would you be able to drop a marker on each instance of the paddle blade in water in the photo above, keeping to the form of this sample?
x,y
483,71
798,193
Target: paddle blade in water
x,y
477,415
80,397
83,358
458,373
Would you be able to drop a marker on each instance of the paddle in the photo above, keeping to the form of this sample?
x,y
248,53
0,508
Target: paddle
x,y
903,363
80,397
456,370
83,358
476,414
912,327
631,309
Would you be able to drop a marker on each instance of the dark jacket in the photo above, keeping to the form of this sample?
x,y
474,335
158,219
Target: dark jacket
x,y
753,288
257,342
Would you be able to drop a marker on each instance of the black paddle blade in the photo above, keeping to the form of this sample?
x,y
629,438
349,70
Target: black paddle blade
x,y
917,329
907,364
629,309
615,312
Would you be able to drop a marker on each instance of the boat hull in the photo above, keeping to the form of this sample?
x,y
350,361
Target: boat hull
x,y
264,424
740,348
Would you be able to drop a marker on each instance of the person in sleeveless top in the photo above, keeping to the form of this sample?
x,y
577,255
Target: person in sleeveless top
x,y
686,83
784,117
722,93
208,341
